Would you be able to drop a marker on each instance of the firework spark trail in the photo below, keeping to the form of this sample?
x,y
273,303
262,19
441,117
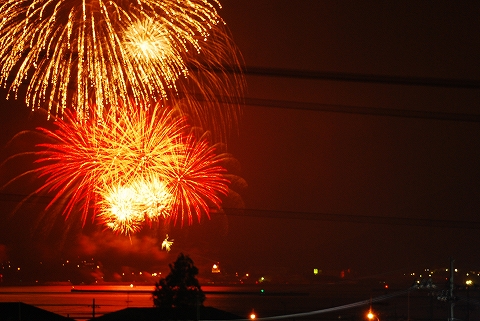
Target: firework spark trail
x,y
133,168
111,52
82,157
196,183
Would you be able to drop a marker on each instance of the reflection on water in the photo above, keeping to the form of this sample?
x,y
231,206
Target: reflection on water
x,y
61,299
82,302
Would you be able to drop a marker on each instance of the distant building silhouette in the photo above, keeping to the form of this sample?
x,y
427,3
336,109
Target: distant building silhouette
x,y
151,314
25,312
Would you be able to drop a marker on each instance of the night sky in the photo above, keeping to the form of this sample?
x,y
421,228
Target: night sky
x,y
359,141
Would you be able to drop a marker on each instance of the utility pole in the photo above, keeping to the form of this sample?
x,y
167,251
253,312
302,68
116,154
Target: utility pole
x,y
408,305
451,298
93,308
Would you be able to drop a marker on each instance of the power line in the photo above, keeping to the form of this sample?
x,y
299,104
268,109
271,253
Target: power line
x,y
344,76
350,218
298,215
347,109
335,309
375,111
357,77
348,77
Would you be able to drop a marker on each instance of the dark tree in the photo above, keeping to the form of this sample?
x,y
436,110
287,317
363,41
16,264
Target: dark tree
x,y
180,289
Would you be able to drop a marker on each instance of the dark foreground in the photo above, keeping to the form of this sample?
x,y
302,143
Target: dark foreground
x,y
287,302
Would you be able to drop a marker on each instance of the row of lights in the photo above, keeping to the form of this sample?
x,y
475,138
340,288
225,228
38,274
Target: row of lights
x,y
370,315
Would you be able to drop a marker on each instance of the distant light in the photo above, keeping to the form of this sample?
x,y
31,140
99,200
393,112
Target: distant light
x,y
253,316
262,291
216,268
131,285
315,271
456,270
371,315
386,286
469,282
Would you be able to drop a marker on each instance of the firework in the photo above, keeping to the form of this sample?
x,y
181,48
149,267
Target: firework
x,y
83,53
122,212
132,169
167,244
125,209
81,158
194,176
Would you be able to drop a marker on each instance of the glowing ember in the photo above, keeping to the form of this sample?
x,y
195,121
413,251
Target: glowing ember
x,y
166,244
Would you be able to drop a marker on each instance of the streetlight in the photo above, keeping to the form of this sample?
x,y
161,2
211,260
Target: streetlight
x,y
372,316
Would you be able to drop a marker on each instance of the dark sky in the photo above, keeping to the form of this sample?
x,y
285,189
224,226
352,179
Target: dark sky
x,y
359,151
359,141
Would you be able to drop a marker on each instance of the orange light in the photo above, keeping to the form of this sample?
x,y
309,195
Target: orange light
x,y
371,315
252,316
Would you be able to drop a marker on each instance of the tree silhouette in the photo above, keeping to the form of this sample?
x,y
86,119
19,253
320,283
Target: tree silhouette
x,y
180,289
